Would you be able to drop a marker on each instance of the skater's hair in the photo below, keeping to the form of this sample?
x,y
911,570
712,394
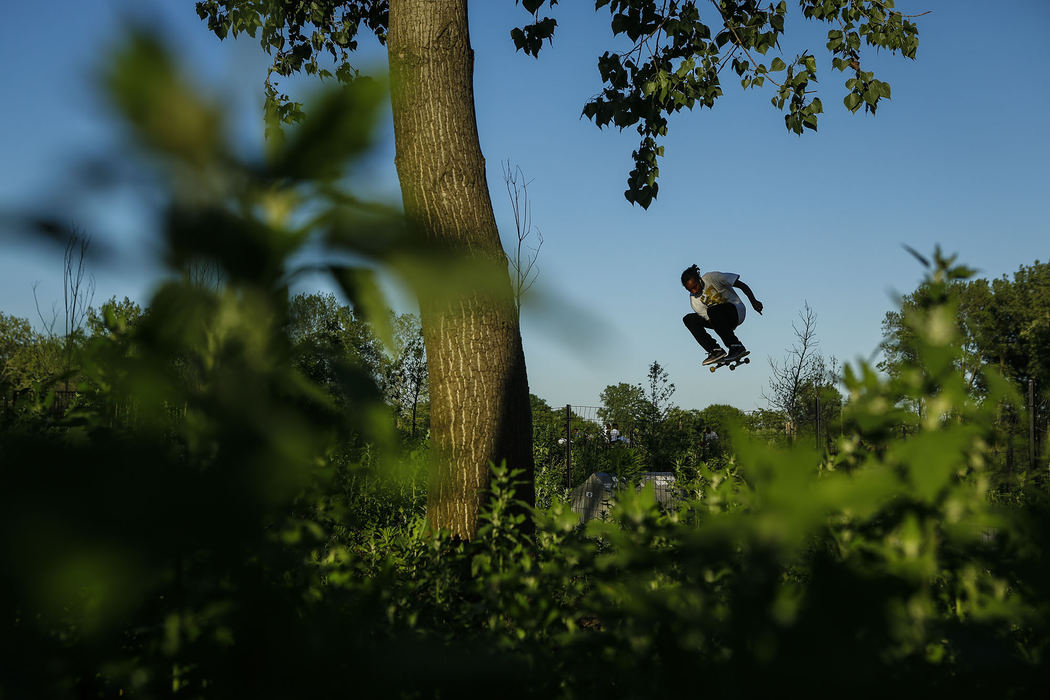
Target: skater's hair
x,y
690,273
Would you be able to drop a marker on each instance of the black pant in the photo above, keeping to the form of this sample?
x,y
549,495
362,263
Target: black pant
x,y
723,321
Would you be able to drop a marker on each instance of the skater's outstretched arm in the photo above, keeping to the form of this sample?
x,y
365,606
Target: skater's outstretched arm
x,y
755,303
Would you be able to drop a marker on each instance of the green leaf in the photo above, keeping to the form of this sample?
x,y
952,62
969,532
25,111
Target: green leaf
x,y
518,37
777,64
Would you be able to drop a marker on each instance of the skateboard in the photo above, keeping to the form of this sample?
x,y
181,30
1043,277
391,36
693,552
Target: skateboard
x,y
733,362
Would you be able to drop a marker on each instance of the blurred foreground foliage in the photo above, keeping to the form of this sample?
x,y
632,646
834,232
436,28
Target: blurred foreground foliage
x,y
216,519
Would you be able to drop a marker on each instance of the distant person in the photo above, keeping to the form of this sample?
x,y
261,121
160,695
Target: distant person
x,y
716,306
711,443
614,433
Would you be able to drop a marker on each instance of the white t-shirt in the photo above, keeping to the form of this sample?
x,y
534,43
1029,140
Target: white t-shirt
x,y
718,289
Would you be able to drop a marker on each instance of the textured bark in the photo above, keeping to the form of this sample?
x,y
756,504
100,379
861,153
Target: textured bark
x,y
479,397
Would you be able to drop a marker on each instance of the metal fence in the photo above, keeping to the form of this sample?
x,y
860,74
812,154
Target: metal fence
x,y
54,403
596,495
1019,443
585,444
589,450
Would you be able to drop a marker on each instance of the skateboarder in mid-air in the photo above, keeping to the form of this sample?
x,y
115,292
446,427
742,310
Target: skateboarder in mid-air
x,y
716,306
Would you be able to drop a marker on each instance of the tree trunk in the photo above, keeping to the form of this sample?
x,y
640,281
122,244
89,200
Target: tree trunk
x,y
479,394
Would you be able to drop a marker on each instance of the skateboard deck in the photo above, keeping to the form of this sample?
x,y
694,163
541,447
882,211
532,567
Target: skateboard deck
x,y
731,361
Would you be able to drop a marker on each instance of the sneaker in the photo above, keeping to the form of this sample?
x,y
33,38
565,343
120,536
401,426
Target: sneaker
x,y
714,356
736,351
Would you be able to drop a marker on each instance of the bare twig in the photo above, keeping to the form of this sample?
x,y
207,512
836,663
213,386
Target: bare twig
x,y
802,367
204,274
893,10
523,262
75,296
48,326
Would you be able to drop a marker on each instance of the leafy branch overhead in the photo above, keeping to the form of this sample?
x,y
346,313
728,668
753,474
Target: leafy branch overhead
x,y
677,59
530,37
678,55
297,34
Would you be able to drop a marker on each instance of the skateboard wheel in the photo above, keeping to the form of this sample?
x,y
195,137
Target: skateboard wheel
x,y
732,368
712,369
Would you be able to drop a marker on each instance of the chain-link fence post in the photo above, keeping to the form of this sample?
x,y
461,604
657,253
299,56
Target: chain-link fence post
x,y
1031,424
568,447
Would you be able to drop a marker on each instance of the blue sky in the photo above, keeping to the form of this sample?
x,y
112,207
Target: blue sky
x,y
959,157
